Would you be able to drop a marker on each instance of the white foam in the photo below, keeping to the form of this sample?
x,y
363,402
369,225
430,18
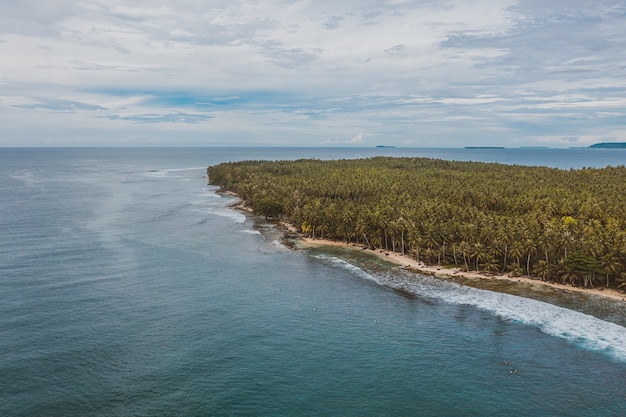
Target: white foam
x,y
280,246
251,232
209,192
582,329
587,331
155,174
184,169
347,266
228,213
29,178
166,173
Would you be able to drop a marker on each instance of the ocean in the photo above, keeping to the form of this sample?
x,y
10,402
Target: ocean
x,y
128,287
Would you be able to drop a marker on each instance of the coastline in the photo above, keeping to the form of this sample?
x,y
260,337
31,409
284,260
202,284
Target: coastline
x,y
301,242
441,272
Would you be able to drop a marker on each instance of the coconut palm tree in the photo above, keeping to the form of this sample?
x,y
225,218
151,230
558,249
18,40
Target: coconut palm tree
x,y
541,269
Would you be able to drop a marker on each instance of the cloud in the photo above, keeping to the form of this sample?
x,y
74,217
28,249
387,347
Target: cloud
x,y
394,49
34,17
416,72
333,22
176,117
357,139
58,105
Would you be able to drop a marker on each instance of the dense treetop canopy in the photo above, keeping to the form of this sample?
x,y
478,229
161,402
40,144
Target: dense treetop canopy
x,y
561,225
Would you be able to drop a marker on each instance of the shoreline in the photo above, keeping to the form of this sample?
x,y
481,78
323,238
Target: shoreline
x,y
302,242
441,272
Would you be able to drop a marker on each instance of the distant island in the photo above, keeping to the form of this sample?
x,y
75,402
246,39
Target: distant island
x,y
484,147
385,146
609,145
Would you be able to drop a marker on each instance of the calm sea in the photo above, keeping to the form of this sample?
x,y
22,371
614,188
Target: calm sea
x,y
129,288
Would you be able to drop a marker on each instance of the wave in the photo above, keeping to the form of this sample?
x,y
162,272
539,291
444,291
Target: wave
x,y
184,169
165,173
208,193
228,213
334,261
250,232
156,174
581,329
585,330
27,177
279,246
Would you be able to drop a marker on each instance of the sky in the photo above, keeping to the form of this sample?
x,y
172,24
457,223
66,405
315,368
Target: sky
x,y
406,73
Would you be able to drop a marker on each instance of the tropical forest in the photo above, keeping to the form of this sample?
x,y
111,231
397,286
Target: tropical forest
x,y
565,226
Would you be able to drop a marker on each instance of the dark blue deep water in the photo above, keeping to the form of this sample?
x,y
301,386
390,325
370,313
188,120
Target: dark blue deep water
x,y
129,288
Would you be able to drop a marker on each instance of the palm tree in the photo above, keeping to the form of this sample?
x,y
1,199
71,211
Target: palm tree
x,y
610,265
515,270
478,253
516,251
416,244
545,242
568,274
567,241
496,248
306,227
541,269
530,249
464,248
491,264
361,230
322,228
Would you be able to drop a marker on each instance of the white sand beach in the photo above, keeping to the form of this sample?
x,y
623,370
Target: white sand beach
x,y
410,263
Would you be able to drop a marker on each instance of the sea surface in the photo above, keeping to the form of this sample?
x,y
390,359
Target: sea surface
x,y
128,287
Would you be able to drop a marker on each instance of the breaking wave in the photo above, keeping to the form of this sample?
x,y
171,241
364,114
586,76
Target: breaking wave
x,y
582,329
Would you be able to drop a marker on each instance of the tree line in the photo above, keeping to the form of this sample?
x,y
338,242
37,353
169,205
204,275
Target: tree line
x,y
566,226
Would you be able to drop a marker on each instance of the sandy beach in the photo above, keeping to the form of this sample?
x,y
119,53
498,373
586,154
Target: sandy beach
x,y
419,267
412,264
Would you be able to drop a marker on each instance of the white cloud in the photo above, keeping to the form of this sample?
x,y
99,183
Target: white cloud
x,y
411,71
357,139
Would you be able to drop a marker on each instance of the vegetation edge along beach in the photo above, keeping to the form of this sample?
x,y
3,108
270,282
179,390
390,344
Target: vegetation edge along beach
x,y
563,228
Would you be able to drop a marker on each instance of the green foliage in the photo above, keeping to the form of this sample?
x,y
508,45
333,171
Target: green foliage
x,y
559,225
267,207
569,222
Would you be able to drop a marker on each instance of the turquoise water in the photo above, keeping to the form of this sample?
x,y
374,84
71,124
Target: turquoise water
x,y
129,288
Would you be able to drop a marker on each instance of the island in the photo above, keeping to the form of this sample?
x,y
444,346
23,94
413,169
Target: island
x,y
484,147
609,145
564,227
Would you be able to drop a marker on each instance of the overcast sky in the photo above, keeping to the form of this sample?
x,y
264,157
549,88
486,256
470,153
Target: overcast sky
x,y
424,73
